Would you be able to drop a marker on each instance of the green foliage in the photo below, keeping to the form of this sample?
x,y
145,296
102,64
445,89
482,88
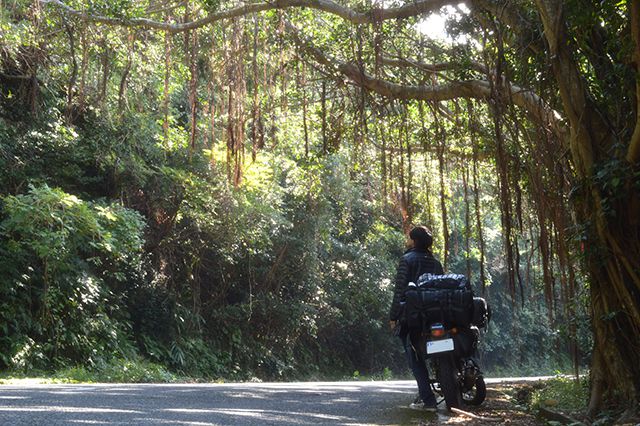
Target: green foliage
x,y
513,341
123,241
115,370
62,259
300,290
563,393
119,370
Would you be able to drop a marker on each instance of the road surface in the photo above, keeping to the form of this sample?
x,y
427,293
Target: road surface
x,y
329,403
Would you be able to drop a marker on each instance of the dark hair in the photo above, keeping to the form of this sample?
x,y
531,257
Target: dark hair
x,y
421,237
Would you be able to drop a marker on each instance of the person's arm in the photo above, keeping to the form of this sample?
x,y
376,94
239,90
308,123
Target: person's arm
x,y
398,293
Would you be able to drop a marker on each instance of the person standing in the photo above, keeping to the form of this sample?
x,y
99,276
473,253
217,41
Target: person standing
x,y
416,261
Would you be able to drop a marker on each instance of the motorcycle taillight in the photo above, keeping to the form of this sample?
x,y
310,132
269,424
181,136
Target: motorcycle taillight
x,y
437,330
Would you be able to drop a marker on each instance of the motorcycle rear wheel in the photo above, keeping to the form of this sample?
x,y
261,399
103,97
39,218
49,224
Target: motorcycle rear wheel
x,y
477,394
448,379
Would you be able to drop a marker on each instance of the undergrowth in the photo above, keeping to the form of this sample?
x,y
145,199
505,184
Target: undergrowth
x,y
114,371
562,393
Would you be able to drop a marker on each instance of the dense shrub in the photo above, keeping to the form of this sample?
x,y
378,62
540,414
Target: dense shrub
x,y
62,260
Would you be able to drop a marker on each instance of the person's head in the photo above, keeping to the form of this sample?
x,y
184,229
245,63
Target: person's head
x,y
421,237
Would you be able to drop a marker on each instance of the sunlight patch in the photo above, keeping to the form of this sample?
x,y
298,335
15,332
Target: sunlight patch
x,y
45,408
434,25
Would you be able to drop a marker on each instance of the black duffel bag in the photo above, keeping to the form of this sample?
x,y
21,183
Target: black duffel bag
x,y
444,282
447,299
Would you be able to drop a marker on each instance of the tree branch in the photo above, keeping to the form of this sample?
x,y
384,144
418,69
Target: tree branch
x,y
536,108
590,132
478,89
374,15
437,67
509,14
15,76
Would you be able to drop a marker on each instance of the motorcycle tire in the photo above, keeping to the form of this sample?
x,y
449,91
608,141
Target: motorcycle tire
x,y
477,394
448,379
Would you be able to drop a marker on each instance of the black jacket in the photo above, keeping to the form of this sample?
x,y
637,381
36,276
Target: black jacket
x,y
413,263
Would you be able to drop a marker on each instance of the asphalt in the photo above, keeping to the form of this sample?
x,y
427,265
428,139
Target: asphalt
x,y
340,403
328,403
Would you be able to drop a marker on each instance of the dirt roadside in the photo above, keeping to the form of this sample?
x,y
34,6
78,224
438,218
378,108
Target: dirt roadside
x,y
499,408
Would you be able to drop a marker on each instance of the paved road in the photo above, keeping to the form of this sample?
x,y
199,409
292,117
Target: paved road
x,y
329,403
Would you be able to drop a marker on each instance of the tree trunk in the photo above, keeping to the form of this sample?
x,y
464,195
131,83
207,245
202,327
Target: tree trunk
x,y
613,245
476,195
443,205
74,71
122,90
165,91
467,221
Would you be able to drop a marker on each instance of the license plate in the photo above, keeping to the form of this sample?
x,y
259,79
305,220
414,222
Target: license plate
x,y
437,346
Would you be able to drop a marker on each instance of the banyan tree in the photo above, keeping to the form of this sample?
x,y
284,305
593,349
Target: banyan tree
x,y
559,80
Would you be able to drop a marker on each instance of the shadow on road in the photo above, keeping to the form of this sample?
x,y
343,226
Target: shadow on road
x,y
340,403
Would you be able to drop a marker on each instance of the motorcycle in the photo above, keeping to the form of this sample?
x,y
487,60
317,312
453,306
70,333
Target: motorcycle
x,y
455,373
445,317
